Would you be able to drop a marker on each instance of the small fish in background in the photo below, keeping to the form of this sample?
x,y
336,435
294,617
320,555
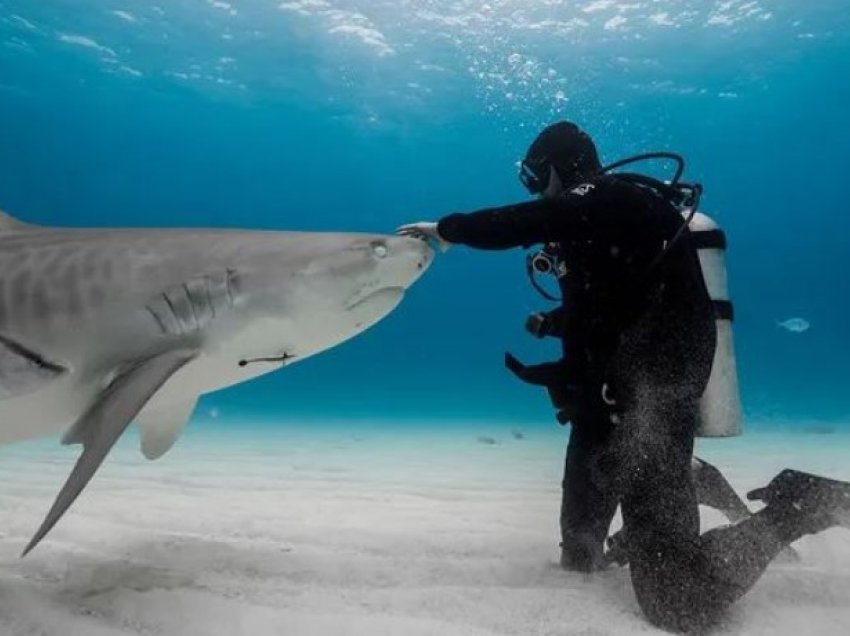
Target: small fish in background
x,y
795,325
517,434
821,430
483,439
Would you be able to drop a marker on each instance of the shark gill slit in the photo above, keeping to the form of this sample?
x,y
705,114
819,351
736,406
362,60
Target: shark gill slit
x,y
207,285
192,305
232,286
170,306
158,320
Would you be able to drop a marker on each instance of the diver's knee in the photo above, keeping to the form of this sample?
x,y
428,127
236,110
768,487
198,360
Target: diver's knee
x,y
581,552
676,622
674,607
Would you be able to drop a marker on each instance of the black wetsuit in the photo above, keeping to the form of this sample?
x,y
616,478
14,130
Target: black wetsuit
x,y
649,333
609,233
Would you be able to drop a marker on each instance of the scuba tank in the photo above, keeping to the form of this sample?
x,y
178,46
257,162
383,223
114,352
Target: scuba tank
x,y
720,404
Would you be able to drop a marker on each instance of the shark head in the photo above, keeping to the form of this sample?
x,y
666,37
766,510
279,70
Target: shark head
x,y
312,295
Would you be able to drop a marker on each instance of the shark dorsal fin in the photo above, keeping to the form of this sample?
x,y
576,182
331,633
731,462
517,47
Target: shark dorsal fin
x,y
8,223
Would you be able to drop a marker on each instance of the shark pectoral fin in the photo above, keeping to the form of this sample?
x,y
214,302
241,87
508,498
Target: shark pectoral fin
x,y
161,428
104,422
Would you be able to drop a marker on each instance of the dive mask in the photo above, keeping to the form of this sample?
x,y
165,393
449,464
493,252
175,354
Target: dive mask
x,y
534,176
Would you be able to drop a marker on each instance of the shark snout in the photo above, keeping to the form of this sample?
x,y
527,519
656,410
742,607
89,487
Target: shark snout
x,y
413,253
397,262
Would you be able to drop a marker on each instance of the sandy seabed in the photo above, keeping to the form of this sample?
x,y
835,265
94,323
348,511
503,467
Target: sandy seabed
x,y
369,530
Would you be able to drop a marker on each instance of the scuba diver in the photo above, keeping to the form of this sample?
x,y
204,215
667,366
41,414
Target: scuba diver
x,y
583,551
639,335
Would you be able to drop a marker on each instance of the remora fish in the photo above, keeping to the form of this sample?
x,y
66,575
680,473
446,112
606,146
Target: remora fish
x,y
102,327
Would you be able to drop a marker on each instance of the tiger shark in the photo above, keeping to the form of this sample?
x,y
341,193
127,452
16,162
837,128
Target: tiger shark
x,y
102,327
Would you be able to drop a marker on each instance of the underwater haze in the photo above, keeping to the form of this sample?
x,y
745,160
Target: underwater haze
x,y
405,482
362,115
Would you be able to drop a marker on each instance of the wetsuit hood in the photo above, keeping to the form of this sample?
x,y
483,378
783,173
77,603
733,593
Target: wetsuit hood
x,y
566,148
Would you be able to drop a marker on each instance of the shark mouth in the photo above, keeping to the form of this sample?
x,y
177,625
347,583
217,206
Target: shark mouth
x,y
387,295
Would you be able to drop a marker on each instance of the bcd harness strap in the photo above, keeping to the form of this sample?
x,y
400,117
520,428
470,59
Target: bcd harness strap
x,y
714,240
723,310
708,239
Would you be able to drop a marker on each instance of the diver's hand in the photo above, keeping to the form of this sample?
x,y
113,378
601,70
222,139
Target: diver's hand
x,y
537,325
515,366
425,230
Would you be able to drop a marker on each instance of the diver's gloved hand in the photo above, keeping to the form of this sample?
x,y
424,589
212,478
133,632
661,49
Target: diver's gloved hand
x,y
538,325
425,230
545,374
515,366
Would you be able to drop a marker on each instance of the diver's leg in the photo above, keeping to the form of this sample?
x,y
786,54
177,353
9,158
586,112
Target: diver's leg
x,y
712,490
660,508
684,581
589,499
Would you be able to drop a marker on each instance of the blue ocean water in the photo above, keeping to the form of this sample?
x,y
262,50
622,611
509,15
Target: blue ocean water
x,y
362,115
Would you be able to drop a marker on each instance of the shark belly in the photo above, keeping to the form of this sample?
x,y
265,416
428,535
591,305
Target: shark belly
x,y
49,411
226,361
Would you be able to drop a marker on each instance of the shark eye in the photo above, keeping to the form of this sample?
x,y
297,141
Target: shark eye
x,y
379,250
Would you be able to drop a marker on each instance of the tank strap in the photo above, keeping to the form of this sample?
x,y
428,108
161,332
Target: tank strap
x,y
708,239
723,310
